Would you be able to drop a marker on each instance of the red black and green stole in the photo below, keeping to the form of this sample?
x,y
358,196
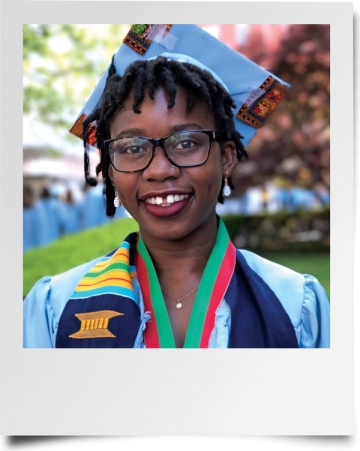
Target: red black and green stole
x,y
104,309
213,285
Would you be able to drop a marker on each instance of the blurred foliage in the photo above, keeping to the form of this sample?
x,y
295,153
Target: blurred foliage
x,y
303,231
61,64
293,149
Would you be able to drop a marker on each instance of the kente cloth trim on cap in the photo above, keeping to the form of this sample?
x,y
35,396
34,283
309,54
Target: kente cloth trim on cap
x,y
255,91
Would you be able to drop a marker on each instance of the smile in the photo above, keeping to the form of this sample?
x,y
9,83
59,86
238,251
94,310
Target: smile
x,y
166,201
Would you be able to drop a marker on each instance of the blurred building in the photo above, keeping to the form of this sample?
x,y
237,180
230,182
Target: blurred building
x,y
42,168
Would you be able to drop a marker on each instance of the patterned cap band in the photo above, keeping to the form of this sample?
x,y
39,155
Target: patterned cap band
x,y
255,91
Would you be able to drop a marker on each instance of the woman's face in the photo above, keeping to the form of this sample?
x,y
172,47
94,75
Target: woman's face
x,y
193,191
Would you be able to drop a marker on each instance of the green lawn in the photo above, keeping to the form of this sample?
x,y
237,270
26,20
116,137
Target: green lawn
x,y
75,249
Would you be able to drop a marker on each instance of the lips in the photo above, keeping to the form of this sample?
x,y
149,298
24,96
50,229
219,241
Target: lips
x,y
165,204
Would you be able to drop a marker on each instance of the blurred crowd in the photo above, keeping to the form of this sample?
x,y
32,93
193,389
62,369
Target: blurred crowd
x,y
59,211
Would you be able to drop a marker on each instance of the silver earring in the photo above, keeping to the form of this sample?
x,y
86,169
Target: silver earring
x,y
226,189
117,202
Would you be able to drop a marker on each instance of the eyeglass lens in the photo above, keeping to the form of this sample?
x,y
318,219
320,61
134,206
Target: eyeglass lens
x,y
187,148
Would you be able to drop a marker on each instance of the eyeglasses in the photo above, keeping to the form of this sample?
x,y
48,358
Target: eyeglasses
x,y
184,149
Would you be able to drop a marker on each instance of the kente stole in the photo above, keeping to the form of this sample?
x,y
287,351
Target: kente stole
x,y
103,310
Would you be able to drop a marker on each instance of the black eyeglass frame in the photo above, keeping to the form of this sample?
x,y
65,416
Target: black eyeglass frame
x,y
159,142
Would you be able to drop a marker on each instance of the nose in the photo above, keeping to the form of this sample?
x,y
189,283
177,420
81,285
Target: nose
x,y
160,167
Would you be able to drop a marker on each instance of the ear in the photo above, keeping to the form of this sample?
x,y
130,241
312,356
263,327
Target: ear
x,y
229,159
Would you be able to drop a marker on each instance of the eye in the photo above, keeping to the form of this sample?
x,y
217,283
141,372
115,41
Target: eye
x,y
129,146
181,142
133,149
186,144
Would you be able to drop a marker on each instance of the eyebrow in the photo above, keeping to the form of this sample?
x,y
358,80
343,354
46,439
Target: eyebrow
x,y
173,129
180,127
129,132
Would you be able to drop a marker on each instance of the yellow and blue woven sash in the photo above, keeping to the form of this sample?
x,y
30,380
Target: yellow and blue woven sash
x,y
112,276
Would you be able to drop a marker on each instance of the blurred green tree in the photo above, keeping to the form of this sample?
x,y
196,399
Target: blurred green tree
x,y
61,65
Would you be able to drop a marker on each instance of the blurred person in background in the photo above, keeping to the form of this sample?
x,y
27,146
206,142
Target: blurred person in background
x,y
31,217
52,220
93,209
72,213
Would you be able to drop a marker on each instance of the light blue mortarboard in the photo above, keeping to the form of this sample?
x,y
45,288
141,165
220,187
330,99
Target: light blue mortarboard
x,y
255,91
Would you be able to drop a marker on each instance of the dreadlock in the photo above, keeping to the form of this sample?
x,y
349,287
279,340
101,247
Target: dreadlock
x,y
145,78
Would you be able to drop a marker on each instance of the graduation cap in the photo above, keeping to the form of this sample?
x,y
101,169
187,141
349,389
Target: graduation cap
x,y
255,91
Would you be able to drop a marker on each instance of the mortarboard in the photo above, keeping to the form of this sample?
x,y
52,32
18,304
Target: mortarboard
x,y
255,91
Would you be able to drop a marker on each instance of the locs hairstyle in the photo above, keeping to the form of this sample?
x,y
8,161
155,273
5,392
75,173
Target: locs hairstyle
x,y
145,78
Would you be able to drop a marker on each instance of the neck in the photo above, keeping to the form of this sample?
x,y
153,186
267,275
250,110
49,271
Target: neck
x,y
176,260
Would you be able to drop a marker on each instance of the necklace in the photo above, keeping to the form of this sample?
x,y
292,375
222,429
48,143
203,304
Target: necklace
x,y
178,301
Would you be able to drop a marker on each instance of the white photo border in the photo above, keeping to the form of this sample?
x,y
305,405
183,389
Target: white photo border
x,y
181,392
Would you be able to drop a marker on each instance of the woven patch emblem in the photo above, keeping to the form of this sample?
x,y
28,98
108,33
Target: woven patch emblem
x,y
140,36
262,102
95,324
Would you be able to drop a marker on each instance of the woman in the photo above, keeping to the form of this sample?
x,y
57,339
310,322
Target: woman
x,y
168,144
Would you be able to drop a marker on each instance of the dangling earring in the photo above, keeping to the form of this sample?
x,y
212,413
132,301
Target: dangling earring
x,y
226,188
117,202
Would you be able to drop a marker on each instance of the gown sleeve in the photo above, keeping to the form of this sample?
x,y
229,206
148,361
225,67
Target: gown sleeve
x,y
314,327
39,324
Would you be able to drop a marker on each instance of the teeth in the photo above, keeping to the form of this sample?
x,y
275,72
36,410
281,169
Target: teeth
x,y
166,201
